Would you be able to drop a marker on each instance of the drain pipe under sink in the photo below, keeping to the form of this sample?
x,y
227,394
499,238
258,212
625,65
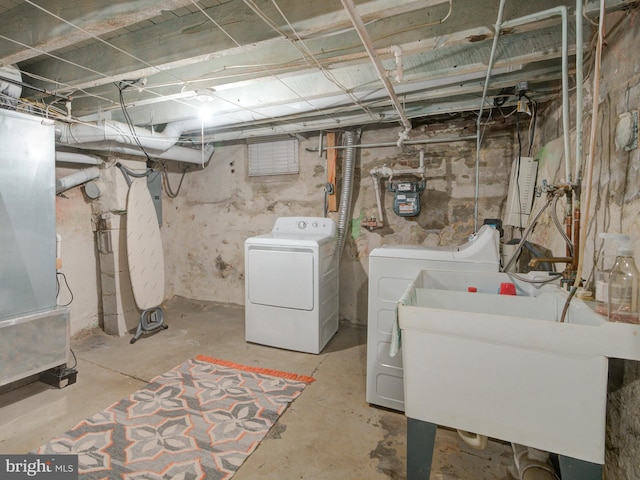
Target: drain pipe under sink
x,y
479,442
533,464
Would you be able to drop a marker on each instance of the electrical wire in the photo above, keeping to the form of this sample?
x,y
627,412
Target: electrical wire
x,y
167,186
130,122
64,277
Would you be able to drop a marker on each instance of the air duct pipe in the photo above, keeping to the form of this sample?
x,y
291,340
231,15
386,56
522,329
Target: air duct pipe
x,y
117,137
109,131
348,172
78,178
81,158
10,90
175,153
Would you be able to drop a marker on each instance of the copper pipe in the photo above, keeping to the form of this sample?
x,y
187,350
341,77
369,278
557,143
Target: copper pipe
x,y
576,237
535,261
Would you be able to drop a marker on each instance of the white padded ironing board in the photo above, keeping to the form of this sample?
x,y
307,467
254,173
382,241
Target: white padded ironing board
x,y
144,247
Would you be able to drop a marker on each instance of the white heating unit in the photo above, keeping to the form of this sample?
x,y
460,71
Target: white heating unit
x,y
291,284
391,269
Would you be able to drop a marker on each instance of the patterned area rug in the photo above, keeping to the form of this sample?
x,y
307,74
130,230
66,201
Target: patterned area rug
x,y
200,420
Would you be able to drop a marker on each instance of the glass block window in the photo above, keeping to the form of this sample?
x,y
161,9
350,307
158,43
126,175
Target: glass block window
x,y
273,157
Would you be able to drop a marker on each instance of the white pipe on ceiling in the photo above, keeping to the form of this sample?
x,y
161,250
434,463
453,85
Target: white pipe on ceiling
x,y
175,153
361,29
116,137
81,158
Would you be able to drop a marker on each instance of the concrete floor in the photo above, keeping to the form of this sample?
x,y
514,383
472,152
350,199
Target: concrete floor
x,y
329,432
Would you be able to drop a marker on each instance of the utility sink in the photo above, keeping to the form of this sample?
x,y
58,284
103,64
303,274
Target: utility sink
x,y
504,366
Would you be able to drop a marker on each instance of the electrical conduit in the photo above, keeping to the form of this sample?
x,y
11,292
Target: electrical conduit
x,y
562,11
484,98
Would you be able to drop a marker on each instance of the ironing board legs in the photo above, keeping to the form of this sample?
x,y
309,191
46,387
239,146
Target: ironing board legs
x,y
151,320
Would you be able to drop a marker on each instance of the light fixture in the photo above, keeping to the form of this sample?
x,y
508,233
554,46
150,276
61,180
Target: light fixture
x,y
204,95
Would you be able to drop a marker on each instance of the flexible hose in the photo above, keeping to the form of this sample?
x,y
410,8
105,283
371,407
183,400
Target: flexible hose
x,y
527,232
347,189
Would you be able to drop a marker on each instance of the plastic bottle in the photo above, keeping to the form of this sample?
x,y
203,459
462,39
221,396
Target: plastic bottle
x,y
607,260
623,284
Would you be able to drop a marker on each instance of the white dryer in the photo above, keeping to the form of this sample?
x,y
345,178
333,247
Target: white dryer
x,y
391,269
291,284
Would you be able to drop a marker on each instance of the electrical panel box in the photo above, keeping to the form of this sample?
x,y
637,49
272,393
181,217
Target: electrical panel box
x,y
522,189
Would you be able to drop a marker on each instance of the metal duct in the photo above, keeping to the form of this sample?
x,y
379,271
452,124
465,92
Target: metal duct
x,y
77,134
116,137
347,189
9,92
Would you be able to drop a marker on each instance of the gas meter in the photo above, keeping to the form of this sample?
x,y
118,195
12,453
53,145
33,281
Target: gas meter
x,y
406,197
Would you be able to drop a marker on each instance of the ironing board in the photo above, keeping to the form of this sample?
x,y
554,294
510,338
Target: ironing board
x,y
145,257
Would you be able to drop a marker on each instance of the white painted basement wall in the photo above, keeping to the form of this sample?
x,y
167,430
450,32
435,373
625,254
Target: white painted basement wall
x,y
220,207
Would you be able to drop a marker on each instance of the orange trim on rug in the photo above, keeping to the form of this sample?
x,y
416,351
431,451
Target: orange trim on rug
x,y
266,371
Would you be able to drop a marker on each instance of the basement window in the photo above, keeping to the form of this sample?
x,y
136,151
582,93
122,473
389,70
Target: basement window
x,y
273,157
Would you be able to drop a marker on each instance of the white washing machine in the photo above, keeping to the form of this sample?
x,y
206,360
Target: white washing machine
x,y
391,269
291,284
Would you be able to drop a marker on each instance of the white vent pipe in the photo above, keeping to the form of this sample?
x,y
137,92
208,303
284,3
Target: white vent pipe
x,y
175,153
81,158
9,92
82,176
117,137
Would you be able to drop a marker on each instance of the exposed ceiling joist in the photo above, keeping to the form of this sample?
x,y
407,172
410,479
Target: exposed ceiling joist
x,y
277,64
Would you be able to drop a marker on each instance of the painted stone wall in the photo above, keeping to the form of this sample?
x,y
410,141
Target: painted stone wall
x,y
73,224
615,207
219,207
